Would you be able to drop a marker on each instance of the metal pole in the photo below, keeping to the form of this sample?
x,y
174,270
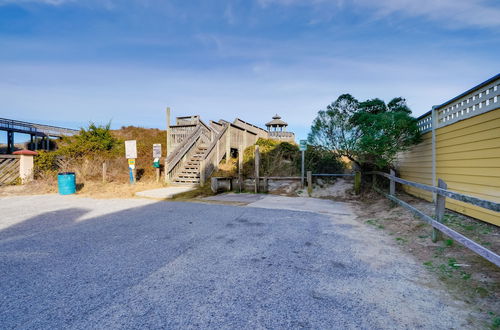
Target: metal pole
x,y
257,165
302,175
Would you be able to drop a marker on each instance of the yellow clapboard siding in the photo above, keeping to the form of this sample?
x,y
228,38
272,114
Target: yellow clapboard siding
x,y
477,145
480,180
419,193
490,115
474,137
486,171
476,163
481,127
474,211
410,163
481,191
473,154
467,159
417,177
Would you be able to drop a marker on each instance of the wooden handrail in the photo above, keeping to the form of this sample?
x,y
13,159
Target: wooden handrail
x,y
174,158
490,205
435,223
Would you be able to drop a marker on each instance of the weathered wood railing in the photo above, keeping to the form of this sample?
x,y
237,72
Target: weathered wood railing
x,y
179,133
441,194
214,154
174,164
9,169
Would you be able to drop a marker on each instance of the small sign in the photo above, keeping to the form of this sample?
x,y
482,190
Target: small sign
x,y
157,150
303,145
131,149
156,163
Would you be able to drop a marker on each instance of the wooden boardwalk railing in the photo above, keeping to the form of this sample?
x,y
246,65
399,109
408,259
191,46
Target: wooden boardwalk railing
x,y
442,193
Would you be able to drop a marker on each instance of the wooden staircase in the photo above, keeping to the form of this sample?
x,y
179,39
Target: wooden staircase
x,y
190,172
197,149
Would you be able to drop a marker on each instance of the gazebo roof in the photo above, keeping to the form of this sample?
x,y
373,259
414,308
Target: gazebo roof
x,y
276,121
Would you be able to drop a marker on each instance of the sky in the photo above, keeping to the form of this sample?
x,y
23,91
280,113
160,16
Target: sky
x,y
71,62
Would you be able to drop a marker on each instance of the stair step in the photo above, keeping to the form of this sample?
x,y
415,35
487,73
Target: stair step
x,y
188,176
186,181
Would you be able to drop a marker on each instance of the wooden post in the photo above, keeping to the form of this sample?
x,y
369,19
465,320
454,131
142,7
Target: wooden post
x,y
217,152
266,184
302,171
104,170
167,179
392,184
439,213
309,183
240,167
228,143
169,140
257,165
357,182
157,174
202,173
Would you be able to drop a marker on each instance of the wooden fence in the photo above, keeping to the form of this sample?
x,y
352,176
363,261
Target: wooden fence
x,y
9,169
442,194
464,153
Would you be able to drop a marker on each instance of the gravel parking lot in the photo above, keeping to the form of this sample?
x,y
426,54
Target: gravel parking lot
x,y
69,262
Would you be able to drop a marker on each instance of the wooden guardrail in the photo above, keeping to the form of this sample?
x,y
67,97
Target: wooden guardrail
x,y
441,193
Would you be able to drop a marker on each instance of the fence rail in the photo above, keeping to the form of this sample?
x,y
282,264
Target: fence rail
x,y
440,203
9,169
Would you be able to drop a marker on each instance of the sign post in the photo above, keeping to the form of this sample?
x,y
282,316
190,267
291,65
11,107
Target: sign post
x,y
156,159
302,148
131,155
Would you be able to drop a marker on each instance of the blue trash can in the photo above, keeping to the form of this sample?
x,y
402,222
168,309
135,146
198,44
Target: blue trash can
x,y
66,183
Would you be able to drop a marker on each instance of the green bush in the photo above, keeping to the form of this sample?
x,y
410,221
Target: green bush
x,y
95,141
45,161
321,160
284,159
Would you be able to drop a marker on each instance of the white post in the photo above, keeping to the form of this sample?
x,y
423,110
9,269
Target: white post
x,y
434,115
26,167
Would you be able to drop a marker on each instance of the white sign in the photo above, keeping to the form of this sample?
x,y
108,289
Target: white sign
x,y
157,150
131,149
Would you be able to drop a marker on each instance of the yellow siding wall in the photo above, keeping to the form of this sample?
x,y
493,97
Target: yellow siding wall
x,y
416,165
467,159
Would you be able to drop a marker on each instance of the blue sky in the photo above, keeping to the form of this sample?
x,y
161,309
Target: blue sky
x,y
68,62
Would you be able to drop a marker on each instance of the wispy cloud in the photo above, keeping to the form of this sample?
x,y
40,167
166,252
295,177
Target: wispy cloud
x,y
449,13
44,2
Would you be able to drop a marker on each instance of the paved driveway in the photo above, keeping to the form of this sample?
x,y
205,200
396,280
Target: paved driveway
x,y
69,262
